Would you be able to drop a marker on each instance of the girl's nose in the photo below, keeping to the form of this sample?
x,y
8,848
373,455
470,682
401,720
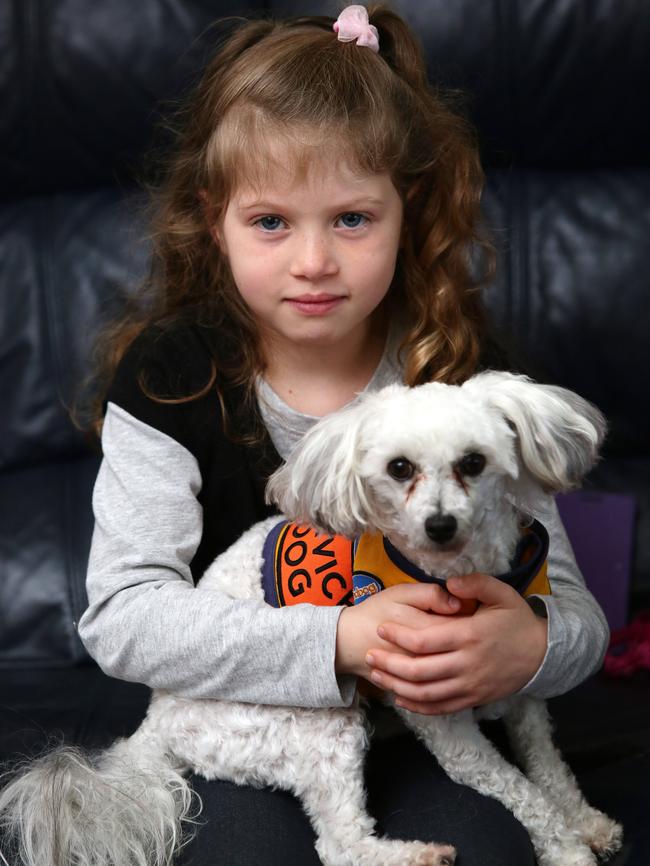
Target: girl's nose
x,y
313,257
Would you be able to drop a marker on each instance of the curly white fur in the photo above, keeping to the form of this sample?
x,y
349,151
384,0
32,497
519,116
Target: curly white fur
x,y
531,437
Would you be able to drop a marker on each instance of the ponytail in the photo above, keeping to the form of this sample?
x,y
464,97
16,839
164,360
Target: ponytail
x,y
399,47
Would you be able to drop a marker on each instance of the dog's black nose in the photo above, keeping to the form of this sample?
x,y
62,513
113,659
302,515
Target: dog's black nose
x,y
440,527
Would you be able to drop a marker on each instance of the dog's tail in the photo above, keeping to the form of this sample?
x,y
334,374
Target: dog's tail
x,y
124,806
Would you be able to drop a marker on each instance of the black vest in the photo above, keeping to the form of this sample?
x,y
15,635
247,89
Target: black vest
x,y
176,362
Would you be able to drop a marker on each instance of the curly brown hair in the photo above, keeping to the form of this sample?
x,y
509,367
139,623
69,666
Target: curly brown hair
x,y
293,82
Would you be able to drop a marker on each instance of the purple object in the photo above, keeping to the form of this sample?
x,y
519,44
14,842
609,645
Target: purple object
x,y
600,527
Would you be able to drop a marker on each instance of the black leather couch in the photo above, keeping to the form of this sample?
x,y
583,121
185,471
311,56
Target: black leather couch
x,y
557,89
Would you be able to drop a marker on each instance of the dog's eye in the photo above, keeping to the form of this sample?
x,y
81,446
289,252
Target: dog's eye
x,y
471,464
400,469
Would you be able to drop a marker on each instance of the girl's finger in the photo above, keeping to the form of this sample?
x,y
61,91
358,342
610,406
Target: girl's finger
x,y
416,669
443,637
425,596
444,691
410,617
430,708
485,589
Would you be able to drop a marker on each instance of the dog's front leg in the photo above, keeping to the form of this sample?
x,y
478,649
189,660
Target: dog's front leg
x,y
530,732
469,758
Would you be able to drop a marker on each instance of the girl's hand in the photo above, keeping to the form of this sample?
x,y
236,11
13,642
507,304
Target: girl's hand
x,y
462,661
411,606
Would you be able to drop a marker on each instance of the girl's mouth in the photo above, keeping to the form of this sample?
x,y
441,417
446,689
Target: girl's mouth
x,y
315,305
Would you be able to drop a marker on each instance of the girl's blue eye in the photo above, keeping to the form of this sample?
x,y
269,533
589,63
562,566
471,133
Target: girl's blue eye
x,y
352,220
269,223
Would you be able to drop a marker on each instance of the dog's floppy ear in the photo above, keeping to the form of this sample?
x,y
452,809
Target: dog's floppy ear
x,y
559,432
319,484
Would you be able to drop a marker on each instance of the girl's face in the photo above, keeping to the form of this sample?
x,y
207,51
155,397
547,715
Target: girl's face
x,y
314,259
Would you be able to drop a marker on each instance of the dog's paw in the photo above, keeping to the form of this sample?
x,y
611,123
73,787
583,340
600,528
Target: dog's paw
x,y
435,855
603,835
424,854
391,852
570,854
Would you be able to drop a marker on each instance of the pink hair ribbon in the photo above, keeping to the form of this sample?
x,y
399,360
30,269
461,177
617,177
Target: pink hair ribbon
x,y
353,23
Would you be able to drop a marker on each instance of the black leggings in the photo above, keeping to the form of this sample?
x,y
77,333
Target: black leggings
x,y
408,794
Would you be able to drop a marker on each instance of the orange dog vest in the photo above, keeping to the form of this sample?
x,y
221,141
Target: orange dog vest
x,y
301,565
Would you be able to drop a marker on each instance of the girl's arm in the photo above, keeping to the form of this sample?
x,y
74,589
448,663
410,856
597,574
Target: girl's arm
x,y
542,647
147,623
578,633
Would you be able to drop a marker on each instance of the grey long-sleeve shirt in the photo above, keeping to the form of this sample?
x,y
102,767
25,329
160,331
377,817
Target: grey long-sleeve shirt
x,y
147,623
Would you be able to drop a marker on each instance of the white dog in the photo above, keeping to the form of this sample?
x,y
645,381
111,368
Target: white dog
x,y
445,474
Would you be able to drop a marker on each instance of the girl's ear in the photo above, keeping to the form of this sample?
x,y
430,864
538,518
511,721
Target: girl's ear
x,y
413,190
559,433
211,220
320,483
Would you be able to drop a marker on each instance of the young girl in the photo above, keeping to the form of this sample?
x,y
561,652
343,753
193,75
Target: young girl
x,y
313,239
